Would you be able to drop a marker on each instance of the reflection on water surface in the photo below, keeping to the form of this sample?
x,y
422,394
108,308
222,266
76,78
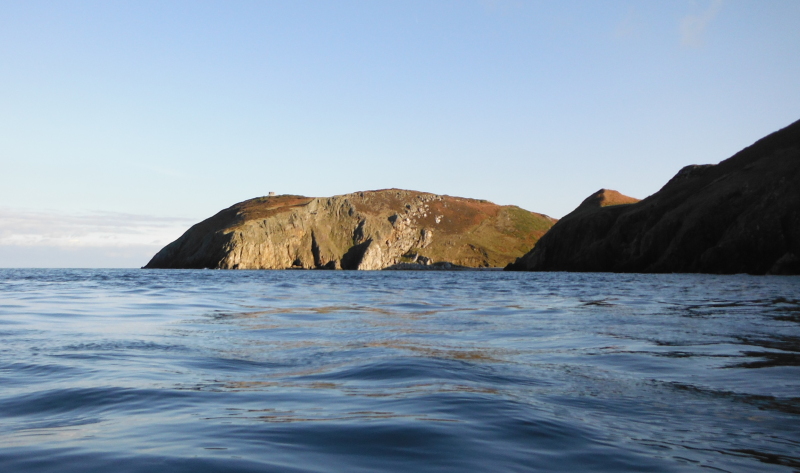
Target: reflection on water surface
x,y
117,370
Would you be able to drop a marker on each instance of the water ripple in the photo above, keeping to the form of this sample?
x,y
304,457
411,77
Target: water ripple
x,y
206,371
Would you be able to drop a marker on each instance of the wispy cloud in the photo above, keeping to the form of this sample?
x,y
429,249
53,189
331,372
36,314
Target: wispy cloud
x,y
627,27
99,229
693,27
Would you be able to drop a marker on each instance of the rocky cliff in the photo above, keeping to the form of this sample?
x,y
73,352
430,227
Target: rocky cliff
x,y
363,230
739,216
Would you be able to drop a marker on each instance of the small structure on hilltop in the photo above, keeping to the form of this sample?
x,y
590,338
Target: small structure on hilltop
x,y
362,230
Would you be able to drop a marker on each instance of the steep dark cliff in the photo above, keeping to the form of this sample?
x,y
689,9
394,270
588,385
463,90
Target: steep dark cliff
x,y
363,230
739,216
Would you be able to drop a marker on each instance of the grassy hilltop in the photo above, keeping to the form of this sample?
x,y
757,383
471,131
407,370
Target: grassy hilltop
x,y
362,230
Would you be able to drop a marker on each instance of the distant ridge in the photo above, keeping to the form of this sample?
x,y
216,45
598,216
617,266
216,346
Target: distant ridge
x,y
739,216
362,230
604,198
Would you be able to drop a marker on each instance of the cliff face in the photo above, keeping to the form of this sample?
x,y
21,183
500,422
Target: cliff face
x,y
363,230
739,216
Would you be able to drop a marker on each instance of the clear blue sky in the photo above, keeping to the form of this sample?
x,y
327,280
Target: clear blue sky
x,y
122,122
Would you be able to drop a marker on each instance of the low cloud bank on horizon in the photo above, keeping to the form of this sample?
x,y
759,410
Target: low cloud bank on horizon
x,y
99,239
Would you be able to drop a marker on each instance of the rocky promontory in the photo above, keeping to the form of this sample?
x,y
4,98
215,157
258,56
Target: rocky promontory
x,y
739,216
362,230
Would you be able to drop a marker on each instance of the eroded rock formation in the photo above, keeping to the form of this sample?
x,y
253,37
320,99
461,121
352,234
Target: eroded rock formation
x,y
739,216
363,230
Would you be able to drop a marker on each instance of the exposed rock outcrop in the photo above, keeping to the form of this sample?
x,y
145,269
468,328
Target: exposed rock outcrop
x,y
739,216
363,230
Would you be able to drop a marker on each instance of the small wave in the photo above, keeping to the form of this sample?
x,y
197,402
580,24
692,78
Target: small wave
x,y
61,401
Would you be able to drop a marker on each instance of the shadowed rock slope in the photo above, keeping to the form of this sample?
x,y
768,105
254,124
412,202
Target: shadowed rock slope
x,y
363,230
739,216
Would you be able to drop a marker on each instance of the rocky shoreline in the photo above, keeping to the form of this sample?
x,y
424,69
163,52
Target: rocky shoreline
x,y
364,230
739,216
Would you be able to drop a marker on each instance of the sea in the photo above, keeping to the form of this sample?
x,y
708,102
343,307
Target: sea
x,y
133,370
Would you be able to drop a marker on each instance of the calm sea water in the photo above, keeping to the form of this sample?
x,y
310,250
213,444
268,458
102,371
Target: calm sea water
x,y
297,371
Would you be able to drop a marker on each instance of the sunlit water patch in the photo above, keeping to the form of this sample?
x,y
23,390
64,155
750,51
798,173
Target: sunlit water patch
x,y
297,371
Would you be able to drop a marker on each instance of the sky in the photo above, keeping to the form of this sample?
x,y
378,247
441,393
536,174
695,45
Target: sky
x,y
122,123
